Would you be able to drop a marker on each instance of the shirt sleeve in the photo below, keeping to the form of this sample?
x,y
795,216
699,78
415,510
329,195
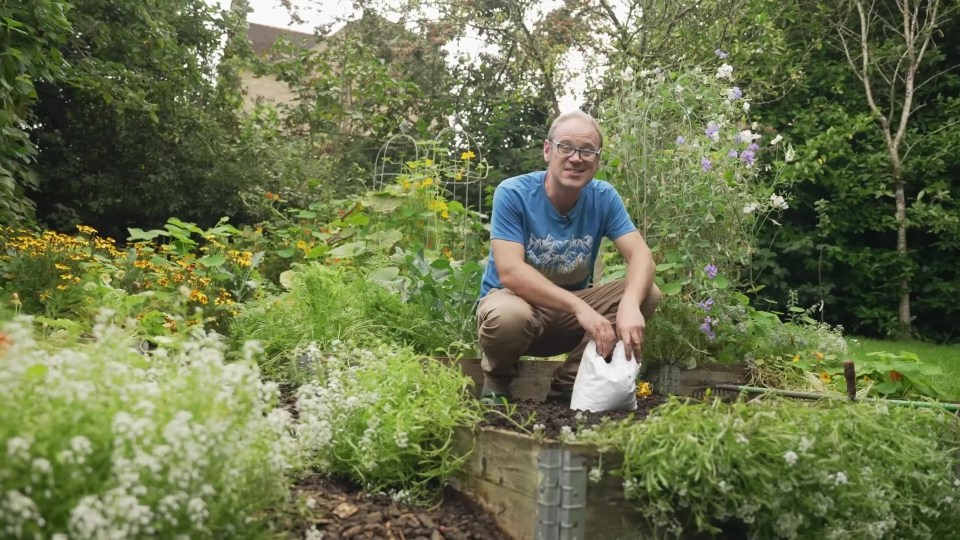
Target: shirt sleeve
x,y
618,222
507,220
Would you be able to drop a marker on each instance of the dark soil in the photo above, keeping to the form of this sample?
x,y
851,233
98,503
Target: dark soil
x,y
553,417
341,511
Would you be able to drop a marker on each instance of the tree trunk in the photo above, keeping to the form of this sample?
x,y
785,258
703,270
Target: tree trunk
x,y
903,313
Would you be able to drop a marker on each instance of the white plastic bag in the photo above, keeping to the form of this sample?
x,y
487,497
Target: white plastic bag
x,y
605,387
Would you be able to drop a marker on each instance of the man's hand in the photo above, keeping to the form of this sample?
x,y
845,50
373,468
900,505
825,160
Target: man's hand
x,y
598,328
630,327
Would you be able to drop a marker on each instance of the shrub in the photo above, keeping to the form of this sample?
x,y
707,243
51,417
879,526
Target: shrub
x,y
102,442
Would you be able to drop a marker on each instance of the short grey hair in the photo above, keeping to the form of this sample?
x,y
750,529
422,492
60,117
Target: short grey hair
x,y
570,116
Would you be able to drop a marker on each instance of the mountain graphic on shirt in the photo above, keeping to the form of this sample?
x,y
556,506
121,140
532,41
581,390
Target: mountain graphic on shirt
x,y
564,262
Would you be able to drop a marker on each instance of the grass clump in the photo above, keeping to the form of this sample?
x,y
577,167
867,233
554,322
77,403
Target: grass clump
x,y
324,305
779,469
385,418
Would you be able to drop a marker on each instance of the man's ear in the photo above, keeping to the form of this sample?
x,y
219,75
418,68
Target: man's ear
x,y
546,151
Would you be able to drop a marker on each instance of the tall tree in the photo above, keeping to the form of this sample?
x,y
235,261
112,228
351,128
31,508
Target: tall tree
x,y
886,44
146,128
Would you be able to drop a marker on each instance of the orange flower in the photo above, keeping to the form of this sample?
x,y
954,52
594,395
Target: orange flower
x,y
896,376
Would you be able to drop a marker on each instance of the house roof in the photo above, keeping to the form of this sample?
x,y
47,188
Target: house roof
x,y
262,37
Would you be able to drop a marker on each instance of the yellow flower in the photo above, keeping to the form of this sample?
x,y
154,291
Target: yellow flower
x,y
468,155
406,184
818,355
428,181
458,176
796,358
644,389
59,266
445,214
867,379
447,253
825,377
86,230
428,162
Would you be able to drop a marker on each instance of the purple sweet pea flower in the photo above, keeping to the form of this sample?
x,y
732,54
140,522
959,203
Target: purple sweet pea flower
x,y
732,153
705,163
706,304
711,271
721,54
707,329
680,140
749,155
712,131
734,93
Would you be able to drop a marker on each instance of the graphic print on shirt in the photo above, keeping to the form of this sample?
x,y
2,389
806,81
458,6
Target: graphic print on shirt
x,y
564,262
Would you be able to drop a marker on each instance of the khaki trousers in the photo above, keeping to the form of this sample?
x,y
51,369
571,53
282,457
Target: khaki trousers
x,y
508,327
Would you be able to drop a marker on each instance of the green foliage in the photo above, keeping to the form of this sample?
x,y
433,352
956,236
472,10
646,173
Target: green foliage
x,y
782,469
102,441
197,276
29,37
147,125
385,418
837,243
324,305
368,81
448,290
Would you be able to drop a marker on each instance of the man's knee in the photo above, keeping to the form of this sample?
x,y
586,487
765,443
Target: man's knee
x,y
509,319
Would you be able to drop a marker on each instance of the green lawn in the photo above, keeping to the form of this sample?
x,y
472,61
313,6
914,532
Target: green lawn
x,y
946,356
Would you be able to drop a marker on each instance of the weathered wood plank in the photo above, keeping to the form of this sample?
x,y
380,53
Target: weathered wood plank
x,y
502,475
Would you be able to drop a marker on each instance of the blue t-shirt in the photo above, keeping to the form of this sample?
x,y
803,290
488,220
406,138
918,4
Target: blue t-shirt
x,y
562,248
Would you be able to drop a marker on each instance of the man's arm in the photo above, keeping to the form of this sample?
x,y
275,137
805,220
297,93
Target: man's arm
x,y
640,272
527,283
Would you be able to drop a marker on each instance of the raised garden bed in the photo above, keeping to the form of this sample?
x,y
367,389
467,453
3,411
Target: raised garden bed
x,y
538,487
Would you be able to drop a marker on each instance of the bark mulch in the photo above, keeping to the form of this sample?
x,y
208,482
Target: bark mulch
x,y
341,511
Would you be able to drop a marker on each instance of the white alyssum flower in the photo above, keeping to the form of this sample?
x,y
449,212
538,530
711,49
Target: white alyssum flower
x,y
567,434
790,457
539,428
18,449
724,487
776,140
750,208
840,478
746,106
725,71
595,475
401,439
806,444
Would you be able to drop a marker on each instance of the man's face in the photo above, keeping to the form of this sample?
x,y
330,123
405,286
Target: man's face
x,y
572,171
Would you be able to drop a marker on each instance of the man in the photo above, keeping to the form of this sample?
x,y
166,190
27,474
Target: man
x,y
535,297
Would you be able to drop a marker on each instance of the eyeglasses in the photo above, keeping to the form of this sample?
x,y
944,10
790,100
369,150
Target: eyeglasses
x,y
565,150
